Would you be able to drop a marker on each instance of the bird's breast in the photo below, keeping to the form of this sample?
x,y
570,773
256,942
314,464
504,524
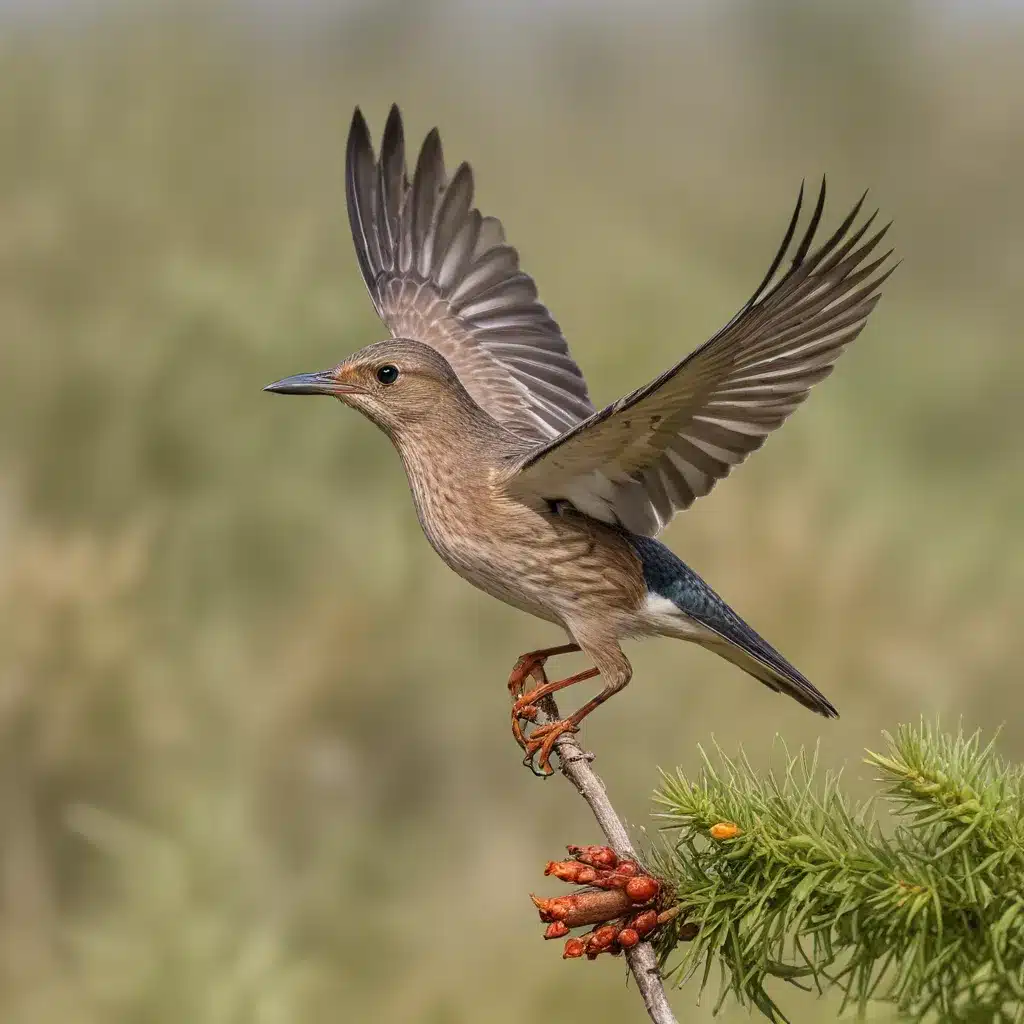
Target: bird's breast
x,y
555,567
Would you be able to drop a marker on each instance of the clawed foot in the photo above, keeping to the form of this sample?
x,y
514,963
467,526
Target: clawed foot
x,y
523,708
541,742
531,667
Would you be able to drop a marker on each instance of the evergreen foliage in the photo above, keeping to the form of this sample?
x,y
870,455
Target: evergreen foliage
x,y
800,885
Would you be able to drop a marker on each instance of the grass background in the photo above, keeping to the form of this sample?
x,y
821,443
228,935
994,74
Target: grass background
x,y
254,755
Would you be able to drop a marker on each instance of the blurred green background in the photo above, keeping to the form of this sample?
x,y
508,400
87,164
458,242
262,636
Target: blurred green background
x,y
255,763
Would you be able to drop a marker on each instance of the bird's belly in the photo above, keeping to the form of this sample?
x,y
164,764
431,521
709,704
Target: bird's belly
x,y
517,592
499,569
558,571
661,617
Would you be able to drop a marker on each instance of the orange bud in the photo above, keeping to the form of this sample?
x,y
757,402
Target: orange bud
x,y
724,830
543,905
571,871
644,923
603,936
574,948
628,938
609,880
595,856
642,888
628,867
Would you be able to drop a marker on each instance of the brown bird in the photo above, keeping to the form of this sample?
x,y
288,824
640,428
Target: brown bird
x,y
520,485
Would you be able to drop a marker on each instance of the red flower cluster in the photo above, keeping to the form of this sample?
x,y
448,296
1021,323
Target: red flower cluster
x,y
621,902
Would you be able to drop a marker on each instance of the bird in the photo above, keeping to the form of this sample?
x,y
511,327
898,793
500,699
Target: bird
x,y
524,487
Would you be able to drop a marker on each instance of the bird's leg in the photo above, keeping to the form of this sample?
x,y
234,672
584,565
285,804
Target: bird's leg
x,y
529,664
525,706
541,742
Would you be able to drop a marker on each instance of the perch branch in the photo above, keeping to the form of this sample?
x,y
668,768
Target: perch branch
x,y
575,766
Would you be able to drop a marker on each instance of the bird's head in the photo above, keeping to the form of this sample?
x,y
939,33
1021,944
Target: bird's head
x,y
401,385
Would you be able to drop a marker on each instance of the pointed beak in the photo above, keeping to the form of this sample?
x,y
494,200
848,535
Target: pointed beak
x,y
322,383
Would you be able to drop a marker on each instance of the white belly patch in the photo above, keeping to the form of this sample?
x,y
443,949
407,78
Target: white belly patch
x,y
663,617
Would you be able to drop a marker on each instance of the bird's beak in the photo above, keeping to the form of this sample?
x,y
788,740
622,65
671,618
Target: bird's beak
x,y
323,383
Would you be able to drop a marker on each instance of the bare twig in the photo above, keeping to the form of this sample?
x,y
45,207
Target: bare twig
x,y
575,766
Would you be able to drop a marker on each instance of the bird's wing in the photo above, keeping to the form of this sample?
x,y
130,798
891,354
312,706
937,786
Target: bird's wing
x,y
650,454
440,273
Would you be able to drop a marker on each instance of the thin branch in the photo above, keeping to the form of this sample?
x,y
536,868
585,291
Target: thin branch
x,y
575,765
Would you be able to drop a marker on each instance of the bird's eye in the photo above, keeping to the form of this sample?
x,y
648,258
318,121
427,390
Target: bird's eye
x,y
387,374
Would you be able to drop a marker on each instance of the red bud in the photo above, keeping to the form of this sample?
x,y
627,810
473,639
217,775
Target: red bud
x,y
571,871
642,888
573,948
603,936
628,938
556,930
645,922
595,856
545,907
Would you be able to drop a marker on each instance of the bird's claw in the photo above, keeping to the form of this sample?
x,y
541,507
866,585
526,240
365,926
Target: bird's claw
x,y
541,741
541,745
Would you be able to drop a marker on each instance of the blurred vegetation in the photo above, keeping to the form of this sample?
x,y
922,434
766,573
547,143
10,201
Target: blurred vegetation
x,y
253,735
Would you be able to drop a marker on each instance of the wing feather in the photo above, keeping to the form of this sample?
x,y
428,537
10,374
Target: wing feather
x,y
441,273
674,438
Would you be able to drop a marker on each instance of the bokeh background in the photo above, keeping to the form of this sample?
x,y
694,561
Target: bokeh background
x,y
255,763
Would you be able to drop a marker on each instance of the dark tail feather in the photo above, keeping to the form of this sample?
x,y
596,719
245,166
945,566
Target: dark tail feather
x,y
745,648
670,577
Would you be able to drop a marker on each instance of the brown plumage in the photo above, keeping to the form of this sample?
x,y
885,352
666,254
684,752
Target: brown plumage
x,y
520,485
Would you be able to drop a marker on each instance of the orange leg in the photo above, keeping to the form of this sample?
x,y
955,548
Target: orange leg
x,y
528,700
539,738
530,665
533,661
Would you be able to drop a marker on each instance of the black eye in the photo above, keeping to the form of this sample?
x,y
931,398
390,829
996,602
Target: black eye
x,y
387,374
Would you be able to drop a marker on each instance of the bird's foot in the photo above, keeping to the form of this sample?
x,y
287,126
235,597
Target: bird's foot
x,y
540,744
525,709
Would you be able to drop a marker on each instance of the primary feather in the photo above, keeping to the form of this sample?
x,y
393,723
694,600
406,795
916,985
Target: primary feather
x,y
645,457
441,273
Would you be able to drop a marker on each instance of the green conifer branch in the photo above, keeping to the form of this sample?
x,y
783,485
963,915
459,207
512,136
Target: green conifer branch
x,y
803,886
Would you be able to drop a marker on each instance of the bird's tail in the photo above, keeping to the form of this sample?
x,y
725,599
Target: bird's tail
x,y
737,642
719,628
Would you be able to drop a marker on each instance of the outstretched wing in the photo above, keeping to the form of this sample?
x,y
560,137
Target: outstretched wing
x,y
654,452
440,273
